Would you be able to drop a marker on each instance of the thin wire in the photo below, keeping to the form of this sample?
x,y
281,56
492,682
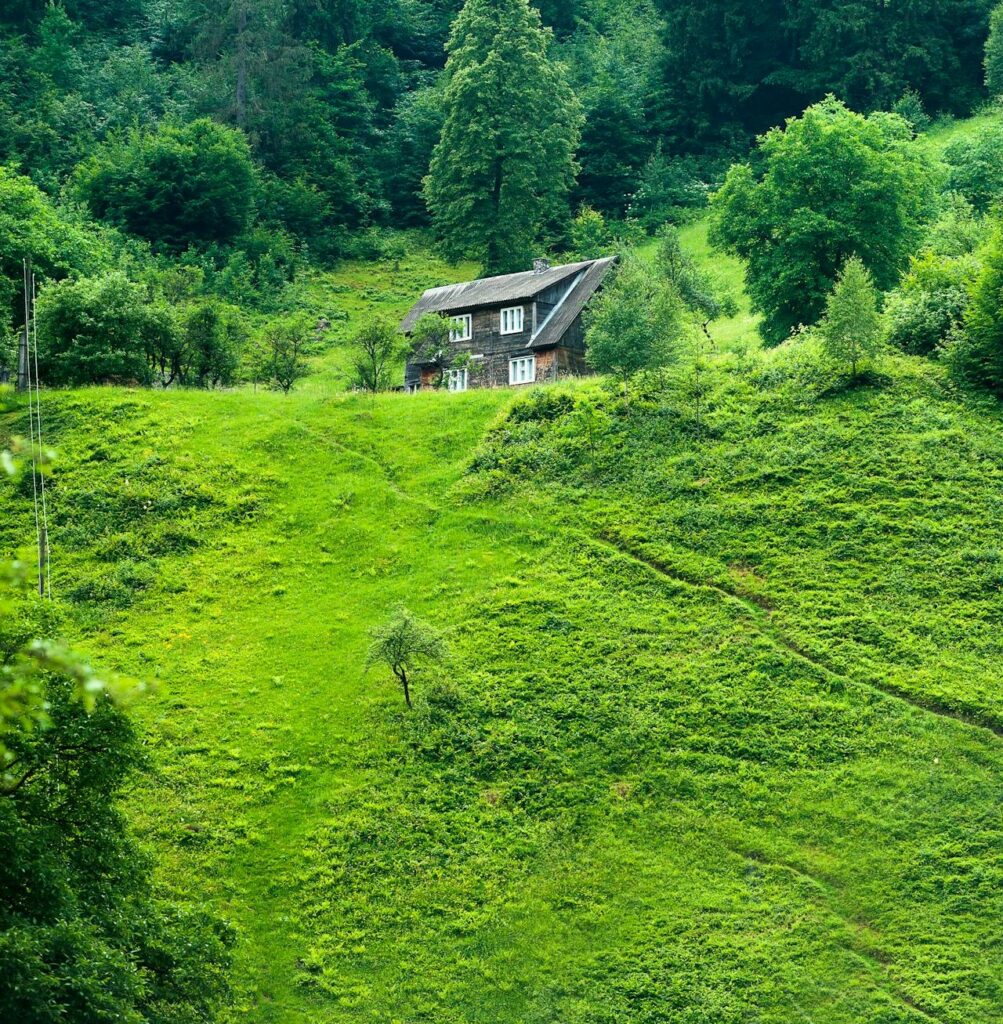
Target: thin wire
x,y
31,419
41,450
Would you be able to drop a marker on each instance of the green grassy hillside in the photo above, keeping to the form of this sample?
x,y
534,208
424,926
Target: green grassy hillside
x,y
719,740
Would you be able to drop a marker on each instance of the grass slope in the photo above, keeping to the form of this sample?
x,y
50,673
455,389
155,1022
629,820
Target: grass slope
x,y
719,741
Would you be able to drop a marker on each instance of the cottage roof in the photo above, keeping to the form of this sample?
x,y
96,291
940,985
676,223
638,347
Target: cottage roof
x,y
495,291
585,284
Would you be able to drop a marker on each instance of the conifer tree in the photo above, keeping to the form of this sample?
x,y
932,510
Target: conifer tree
x,y
851,330
503,168
994,53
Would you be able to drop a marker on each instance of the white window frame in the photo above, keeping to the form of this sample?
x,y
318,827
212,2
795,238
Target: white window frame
x,y
458,380
513,320
522,370
462,328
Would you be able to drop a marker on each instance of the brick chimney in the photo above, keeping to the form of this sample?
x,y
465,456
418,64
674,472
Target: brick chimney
x,y
541,266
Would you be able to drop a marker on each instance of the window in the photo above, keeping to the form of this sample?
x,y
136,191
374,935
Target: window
x,y
522,370
457,380
512,320
463,328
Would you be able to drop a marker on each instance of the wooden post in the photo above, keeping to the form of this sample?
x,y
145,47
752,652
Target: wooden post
x,y
22,360
43,558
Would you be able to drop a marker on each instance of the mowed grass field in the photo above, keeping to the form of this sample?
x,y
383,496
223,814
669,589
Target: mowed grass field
x,y
719,739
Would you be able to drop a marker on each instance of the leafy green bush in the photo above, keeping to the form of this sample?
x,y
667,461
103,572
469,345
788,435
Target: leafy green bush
x,y
98,330
80,924
975,354
671,189
976,166
930,302
910,108
33,228
179,186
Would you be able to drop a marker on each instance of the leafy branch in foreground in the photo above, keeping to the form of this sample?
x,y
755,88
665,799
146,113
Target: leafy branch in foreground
x,y
28,661
403,644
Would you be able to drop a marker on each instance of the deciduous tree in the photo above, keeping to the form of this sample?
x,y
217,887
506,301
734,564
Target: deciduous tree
x,y
403,645
376,346
831,184
634,324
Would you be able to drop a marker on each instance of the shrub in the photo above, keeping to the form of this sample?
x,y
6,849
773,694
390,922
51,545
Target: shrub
x,y
98,330
179,186
975,353
910,108
976,166
670,188
930,302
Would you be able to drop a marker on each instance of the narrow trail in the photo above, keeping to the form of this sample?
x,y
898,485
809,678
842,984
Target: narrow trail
x,y
854,945
757,610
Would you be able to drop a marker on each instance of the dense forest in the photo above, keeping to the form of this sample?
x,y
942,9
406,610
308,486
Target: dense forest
x,y
335,109
685,624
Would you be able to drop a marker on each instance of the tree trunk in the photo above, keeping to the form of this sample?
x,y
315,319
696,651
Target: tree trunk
x,y
407,689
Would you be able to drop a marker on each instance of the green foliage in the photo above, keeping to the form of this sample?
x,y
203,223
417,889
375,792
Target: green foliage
x,y
929,304
670,188
33,228
910,108
976,353
976,166
411,141
81,926
211,338
378,347
831,185
404,645
851,327
732,69
501,173
591,237
178,186
634,324
994,53
703,296
98,330
280,358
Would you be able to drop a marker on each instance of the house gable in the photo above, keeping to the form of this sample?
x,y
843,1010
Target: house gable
x,y
551,338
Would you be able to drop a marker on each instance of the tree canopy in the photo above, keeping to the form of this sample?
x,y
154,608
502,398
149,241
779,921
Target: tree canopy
x,y
831,184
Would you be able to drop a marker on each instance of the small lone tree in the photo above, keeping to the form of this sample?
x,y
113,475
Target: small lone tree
x,y
851,329
402,645
377,346
283,360
994,53
635,324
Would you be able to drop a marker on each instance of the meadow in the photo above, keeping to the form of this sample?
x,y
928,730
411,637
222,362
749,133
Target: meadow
x,y
718,740
719,735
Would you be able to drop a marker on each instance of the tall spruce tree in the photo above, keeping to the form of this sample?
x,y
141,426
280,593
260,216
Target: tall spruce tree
x,y
502,171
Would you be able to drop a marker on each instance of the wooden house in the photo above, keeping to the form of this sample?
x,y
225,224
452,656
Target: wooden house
x,y
513,330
